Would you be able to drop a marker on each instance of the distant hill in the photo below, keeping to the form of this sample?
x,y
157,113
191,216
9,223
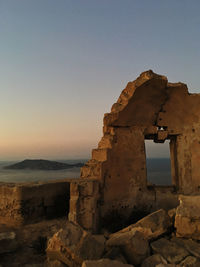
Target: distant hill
x,y
41,164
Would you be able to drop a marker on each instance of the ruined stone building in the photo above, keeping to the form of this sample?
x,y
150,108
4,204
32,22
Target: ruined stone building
x,y
114,181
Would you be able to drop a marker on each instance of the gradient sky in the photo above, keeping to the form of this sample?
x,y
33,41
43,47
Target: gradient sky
x,y
64,63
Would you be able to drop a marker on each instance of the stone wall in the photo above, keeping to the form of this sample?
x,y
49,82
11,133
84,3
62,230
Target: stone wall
x,y
31,202
148,108
84,203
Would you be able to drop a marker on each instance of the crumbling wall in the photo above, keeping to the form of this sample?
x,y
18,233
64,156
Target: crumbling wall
x,y
148,108
84,197
32,202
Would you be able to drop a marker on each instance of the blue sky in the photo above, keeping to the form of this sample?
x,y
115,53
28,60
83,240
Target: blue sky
x,y
64,63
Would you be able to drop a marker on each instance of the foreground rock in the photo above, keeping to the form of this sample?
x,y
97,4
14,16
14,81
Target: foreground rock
x,y
169,250
151,226
187,220
153,260
115,253
133,245
190,245
72,245
190,261
8,242
105,263
133,240
31,243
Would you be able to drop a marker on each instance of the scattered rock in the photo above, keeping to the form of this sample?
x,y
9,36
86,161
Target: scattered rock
x,y
171,251
190,245
8,242
152,226
133,244
187,220
72,245
190,261
114,253
153,261
105,263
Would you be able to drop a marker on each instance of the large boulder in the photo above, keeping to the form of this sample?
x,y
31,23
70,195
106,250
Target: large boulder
x,y
169,250
187,220
72,245
151,226
105,263
8,242
133,245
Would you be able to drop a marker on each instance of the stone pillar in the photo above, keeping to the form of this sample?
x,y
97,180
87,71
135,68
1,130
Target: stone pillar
x,y
84,210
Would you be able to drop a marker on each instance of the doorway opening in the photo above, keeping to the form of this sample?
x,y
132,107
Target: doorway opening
x,y
158,163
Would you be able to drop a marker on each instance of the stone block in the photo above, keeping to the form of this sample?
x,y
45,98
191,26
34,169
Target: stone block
x,y
153,261
190,245
114,253
169,250
187,219
133,245
152,225
72,245
190,261
100,154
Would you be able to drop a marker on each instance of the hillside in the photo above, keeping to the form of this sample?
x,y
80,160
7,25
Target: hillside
x,y
41,164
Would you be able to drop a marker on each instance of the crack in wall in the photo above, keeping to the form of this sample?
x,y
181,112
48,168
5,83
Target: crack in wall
x,y
161,108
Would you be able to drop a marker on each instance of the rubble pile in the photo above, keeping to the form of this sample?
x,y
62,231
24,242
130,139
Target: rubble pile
x,y
156,240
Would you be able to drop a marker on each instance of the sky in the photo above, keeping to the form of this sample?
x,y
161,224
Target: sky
x,y
64,63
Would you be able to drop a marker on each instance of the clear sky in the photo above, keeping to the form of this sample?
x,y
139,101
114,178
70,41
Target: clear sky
x,y
64,63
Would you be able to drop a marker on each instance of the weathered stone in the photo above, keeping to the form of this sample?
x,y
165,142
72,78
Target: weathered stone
x,y
151,226
153,261
172,214
72,245
105,263
23,203
148,108
133,244
190,261
114,253
54,263
187,220
83,203
8,242
190,245
171,251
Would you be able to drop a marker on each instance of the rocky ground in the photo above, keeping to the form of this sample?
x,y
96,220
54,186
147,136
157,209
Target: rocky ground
x,y
26,246
160,239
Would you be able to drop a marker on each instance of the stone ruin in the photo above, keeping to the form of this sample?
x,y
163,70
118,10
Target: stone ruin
x,y
113,184
107,223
